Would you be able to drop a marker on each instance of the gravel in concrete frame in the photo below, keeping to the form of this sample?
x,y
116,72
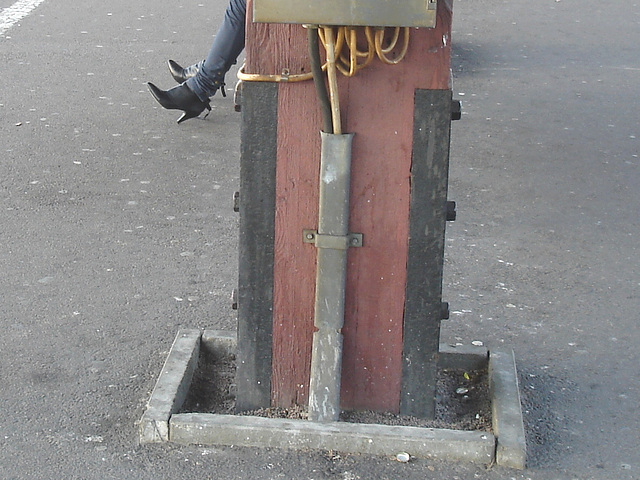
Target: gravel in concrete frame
x,y
161,423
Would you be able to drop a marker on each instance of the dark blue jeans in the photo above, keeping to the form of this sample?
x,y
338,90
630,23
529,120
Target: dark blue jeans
x,y
227,46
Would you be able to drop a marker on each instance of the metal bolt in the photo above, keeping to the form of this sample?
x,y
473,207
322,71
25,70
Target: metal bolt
x,y
236,201
444,311
234,299
456,110
451,211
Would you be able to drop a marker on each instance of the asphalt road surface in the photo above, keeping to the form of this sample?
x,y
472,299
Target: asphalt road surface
x,y
117,229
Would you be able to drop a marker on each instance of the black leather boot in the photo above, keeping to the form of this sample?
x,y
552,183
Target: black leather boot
x,y
182,98
180,74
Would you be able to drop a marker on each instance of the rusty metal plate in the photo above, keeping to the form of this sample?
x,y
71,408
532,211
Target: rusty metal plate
x,y
378,13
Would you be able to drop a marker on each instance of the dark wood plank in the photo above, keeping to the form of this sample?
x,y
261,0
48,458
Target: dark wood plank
x,y
423,313
256,245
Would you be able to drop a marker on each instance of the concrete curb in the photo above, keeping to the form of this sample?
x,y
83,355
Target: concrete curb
x,y
171,388
221,343
210,429
508,425
463,357
161,423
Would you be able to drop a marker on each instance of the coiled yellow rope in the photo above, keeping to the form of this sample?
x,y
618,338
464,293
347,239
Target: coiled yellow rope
x,y
348,55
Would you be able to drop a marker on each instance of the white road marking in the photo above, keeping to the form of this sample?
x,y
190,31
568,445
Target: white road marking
x,y
16,12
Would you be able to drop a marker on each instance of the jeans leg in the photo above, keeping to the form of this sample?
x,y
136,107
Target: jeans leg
x,y
196,67
227,46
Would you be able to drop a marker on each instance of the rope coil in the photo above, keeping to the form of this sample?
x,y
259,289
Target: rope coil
x,y
349,58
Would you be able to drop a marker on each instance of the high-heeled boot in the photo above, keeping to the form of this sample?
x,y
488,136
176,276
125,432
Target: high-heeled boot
x,y
180,74
182,98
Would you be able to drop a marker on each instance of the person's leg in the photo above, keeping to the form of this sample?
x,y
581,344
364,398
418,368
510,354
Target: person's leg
x,y
192,96
227,46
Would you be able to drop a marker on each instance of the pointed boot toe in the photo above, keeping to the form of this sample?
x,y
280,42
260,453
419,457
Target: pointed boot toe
x,y
181,74
182,98
161,96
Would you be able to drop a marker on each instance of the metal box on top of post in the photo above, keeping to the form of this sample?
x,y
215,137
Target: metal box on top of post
x,y
373,13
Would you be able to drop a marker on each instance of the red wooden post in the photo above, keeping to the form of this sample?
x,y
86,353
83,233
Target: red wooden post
x,y
378,106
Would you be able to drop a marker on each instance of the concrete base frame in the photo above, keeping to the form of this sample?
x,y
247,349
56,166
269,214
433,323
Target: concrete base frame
x,y
162,423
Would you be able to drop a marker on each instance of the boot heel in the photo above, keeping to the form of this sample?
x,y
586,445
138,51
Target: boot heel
x,y
192,114
186,116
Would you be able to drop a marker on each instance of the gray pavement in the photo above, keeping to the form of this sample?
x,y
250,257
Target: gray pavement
x,y
117,230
